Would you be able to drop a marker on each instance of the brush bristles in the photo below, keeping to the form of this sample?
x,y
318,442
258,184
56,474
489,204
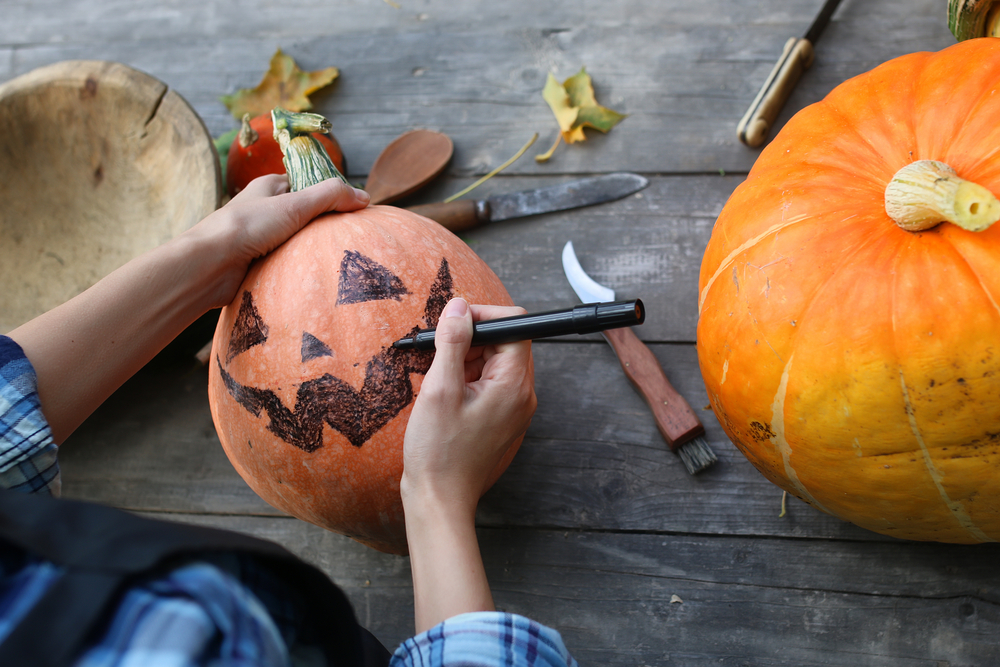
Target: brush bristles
x,y
696,455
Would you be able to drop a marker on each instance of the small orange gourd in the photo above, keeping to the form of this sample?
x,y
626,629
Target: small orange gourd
x,y
255,152
849,301
309,398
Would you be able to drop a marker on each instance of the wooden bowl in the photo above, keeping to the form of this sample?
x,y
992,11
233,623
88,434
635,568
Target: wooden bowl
x,y
98,164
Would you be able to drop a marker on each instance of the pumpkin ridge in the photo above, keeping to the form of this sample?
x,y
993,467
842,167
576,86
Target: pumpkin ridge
x,y
957,135
956,509
781,443
945,236
731,257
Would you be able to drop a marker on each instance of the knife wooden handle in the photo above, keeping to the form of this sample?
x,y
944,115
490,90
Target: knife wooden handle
x,y
675,419
458,215
757,122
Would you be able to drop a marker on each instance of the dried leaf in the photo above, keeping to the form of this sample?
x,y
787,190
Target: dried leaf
x,y
284,85
575,107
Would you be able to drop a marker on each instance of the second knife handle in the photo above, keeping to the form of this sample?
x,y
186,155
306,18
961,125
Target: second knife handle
x,y
675,419
458,215
796,57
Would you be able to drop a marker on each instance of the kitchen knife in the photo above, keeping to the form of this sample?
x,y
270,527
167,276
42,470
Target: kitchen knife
x,y
675,419
463,214
795,59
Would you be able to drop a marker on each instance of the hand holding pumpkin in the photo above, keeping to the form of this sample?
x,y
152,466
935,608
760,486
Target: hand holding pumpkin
x,y
263,216
86,348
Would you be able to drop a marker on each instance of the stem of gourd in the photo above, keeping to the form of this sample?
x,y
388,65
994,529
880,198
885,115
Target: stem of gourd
x,y
926,193
306,161
247,135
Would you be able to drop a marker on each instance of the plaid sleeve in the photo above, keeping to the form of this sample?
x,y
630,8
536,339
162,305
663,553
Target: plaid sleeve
x,y
485,639
27,451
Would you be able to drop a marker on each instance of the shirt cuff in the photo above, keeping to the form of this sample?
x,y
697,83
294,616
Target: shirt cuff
x,y
485,639
28,461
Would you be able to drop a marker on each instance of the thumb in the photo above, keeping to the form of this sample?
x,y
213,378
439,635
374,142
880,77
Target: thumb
x,y
329,195
452,339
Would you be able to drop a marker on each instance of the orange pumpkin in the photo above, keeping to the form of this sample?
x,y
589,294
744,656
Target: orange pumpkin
x,y
309,397
854,362
255,153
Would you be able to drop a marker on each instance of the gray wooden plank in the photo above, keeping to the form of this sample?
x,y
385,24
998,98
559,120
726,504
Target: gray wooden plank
x,y
743,601
592,457
648,245
684,72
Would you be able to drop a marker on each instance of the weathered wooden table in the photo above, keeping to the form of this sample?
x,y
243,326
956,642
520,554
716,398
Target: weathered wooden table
x,y
596,526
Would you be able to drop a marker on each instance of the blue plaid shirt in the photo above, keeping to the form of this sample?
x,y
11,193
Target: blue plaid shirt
x,y
217,611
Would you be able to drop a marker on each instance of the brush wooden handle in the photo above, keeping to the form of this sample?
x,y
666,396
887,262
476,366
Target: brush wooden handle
x,y
675,419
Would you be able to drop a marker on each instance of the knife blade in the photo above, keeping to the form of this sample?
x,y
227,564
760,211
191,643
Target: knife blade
x,y
463,214
796,57
675,419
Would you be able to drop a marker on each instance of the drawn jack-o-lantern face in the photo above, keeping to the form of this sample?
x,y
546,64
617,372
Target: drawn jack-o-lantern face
x,y
308,395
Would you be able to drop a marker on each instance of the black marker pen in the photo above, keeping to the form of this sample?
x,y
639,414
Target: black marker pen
x,y
588,318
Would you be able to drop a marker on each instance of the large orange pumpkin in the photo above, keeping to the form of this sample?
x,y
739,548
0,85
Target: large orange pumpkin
x,y
857,364
309,398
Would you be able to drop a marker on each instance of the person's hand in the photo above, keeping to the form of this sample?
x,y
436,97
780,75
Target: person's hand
x,y
262,217
472,406
84,349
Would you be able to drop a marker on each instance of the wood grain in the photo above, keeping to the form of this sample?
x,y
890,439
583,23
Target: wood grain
x,y
596,525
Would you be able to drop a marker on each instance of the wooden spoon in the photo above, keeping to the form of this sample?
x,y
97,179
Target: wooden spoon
x,y
407,164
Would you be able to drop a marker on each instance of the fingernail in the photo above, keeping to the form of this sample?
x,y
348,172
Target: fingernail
x,y
455,308
361,194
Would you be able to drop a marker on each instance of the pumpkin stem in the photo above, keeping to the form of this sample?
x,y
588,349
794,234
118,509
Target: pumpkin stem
x,y
247,135
968,19
927,192
305,159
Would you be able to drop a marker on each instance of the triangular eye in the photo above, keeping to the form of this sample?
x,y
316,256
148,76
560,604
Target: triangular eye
x,y
440,295
363,279
313,348
248,329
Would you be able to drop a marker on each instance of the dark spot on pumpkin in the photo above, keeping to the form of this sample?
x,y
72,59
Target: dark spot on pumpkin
x,y
760,432
248,329
249,444
357,414
313,348
363,279
89,90
98,174
961,380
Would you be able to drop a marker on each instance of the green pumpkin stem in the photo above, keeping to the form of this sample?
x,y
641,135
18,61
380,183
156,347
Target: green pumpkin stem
x,y
969,19
926,193
306,161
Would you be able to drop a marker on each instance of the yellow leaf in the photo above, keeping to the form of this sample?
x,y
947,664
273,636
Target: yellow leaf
x,y
575,107
560,103
284,85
